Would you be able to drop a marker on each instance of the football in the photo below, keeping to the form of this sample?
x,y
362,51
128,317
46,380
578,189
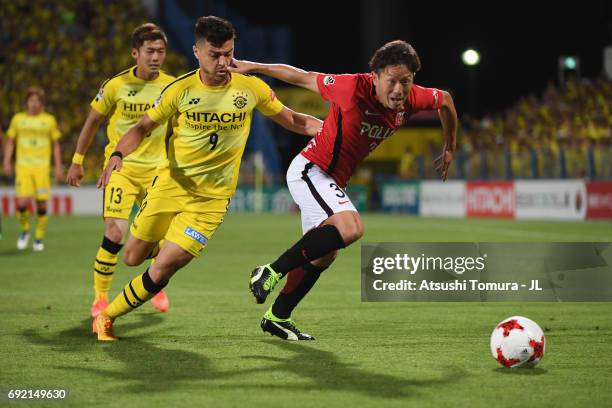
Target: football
x,y
517,342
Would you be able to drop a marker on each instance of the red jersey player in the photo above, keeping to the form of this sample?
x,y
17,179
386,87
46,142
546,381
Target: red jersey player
x,y
365,109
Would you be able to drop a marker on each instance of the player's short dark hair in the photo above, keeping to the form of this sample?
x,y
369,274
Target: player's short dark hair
x,y
396,52
147,32
36,90
215,30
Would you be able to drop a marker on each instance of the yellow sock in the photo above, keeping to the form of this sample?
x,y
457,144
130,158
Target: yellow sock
x,y
104,267
23,216
41,226
134,294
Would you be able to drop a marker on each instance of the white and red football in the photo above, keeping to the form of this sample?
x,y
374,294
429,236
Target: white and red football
x,y
518,342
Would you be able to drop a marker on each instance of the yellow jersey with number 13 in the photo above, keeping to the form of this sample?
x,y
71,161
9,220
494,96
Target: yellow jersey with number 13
x,y
126,98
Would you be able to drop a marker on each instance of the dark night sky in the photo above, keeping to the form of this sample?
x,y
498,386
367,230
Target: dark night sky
x,y
519,42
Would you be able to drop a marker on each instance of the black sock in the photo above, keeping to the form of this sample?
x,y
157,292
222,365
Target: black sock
x,y
151,286
111,246
296,288
313,245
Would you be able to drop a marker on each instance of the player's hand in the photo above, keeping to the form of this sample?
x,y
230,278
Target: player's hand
x,y
75,175
8,169
114,164
443,162
59,174
242,66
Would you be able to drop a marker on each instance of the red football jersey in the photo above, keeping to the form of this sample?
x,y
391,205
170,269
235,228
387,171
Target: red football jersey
x,y
357,122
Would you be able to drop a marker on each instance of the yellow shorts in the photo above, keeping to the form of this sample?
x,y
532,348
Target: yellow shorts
x,y
33,183
170,212
125,188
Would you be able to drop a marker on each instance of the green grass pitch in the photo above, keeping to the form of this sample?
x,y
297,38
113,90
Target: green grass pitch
x,y
208,349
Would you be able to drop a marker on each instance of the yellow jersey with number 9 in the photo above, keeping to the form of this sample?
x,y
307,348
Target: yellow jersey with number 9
x,y
211,127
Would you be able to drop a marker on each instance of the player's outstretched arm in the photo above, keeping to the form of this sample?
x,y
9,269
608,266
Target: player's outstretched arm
x,y
126,145
90,127
285,73
448,118
298,122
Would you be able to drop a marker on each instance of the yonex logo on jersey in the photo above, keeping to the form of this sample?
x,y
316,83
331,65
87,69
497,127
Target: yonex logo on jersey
x,y
328,80
132,93
240,100
194,101
191,233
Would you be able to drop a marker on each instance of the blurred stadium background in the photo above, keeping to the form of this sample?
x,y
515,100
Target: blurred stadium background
x,y
536,107
535,147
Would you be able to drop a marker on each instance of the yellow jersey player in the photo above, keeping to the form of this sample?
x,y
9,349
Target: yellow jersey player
x,y
1,152
186,203
125,98
36,134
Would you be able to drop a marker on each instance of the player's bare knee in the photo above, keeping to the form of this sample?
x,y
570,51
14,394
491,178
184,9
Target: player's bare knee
x,y
113,234
41,207
114,229
352,232
132,257
351,236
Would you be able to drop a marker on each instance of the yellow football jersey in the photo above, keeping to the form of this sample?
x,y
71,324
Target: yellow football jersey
x,y
211,127
126,98
33,136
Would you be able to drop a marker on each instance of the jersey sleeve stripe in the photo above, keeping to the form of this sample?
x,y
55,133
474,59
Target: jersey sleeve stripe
x,y
125,71
187,75
337,145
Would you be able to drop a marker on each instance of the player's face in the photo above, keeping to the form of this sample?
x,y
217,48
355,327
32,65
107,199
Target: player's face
x,y
150,56
34,104
393,85
214,60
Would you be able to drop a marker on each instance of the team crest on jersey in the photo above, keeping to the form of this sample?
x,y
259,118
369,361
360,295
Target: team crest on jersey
x,y
240,100
400,118
328,80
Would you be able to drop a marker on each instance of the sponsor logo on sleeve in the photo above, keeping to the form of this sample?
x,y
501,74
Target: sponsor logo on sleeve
x,y
157,101
100,94
328,80
191,233
435,96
